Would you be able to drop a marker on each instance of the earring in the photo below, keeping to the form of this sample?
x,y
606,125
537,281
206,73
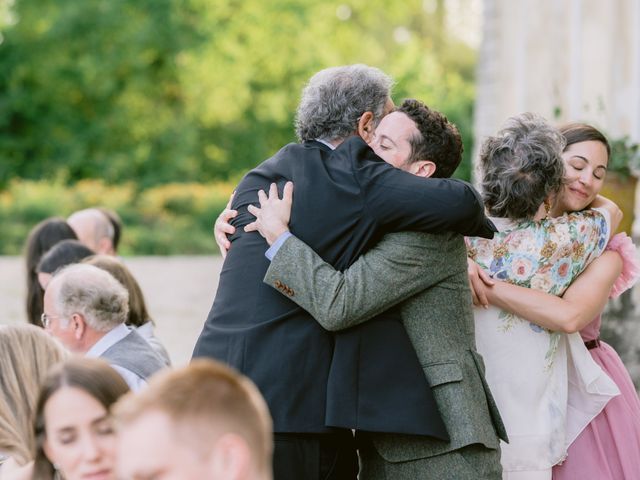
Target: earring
x,y
547,208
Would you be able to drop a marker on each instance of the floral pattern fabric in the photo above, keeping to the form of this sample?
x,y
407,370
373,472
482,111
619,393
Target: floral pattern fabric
x,y
528,367
545,255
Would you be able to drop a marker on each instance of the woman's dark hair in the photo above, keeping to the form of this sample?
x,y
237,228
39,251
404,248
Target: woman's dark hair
x,y
61,254
138,314
41,238
582,132
91,375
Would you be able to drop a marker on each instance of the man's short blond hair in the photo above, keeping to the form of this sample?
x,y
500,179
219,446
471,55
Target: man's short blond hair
x,y
203,401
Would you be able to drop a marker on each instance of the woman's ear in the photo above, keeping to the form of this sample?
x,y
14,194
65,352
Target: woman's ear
x,y
366,126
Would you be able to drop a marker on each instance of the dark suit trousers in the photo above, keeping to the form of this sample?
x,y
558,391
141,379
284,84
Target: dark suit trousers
x,y
315,456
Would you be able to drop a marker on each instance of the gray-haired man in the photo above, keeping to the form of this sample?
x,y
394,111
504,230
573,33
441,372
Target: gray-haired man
x,y
351,198
85,308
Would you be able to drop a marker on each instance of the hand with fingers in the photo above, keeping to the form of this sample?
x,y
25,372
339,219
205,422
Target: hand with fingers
x,y
479,281
272,217
222,227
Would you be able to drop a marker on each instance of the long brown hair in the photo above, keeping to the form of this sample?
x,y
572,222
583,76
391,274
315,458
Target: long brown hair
x,y
26,354
93,376
41,238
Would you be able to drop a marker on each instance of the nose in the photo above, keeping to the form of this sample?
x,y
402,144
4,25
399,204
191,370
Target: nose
x,y
91,448
586,177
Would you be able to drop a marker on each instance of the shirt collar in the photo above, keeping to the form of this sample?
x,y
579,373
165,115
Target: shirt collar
x,y
324,142
108,340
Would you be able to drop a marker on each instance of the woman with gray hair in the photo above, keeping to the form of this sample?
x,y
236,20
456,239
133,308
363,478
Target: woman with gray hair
x,y
534,373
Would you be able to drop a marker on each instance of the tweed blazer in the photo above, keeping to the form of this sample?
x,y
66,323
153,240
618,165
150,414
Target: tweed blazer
x,y
428,274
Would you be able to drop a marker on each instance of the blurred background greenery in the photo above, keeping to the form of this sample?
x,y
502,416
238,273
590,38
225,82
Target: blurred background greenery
x,y
156,108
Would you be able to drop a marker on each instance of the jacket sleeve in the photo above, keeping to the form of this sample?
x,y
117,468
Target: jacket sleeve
x,y
401,201
398,267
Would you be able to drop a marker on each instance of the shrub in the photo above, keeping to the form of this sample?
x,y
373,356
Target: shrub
x,y
164,220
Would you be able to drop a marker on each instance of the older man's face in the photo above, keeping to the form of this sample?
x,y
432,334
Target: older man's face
x,y
54,324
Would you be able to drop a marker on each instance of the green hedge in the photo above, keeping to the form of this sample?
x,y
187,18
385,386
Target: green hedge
x,y
174,218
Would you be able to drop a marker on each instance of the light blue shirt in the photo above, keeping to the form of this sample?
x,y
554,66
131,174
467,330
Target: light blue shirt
x,y
273,249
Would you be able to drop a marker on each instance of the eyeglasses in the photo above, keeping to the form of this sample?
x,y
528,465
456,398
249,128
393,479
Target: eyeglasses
x,y
46,320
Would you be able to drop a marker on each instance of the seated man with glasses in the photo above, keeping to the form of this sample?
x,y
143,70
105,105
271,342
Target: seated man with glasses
x,y
85,308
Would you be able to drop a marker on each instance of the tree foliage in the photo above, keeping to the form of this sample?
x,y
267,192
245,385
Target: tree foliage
x,y
158,91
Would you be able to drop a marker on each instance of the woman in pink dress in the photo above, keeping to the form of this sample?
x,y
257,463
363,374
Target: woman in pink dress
x,y
609,447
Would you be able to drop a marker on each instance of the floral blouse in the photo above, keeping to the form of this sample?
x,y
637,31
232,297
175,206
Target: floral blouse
x,y
546,255
528,367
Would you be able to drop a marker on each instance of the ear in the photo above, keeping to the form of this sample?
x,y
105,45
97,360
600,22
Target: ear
x,y
423,168
366,126
105,246
79,326
230,458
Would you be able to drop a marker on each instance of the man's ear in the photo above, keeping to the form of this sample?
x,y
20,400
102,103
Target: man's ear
x,y
423,168
230,457
79,326
366,126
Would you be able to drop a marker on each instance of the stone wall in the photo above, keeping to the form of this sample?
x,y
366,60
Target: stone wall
x,y
565,59
568,60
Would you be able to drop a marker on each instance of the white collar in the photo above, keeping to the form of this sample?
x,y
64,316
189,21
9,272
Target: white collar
x,y
325,143
111,338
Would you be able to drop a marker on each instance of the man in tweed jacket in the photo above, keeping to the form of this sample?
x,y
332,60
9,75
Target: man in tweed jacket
x,y
426,274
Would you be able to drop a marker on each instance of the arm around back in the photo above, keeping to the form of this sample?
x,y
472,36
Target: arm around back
x,y
401,201
580,304
399,266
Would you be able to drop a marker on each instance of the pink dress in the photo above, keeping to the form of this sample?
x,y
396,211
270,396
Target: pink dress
x,y
609,447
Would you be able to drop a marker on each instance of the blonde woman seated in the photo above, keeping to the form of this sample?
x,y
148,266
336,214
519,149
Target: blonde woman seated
x,y
26,354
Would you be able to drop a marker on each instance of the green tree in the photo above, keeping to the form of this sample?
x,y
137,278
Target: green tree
x,y
159,91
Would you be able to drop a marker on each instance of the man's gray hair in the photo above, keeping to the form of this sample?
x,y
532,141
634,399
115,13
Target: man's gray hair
x,y
94,293
335,98
522,166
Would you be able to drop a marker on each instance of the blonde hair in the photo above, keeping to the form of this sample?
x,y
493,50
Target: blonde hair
x,y
206,399
26,355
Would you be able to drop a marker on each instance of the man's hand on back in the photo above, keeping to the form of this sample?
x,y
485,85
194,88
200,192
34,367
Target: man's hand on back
x,y
272,217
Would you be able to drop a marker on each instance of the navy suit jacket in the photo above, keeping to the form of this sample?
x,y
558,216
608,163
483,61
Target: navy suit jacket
x,y
344,201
